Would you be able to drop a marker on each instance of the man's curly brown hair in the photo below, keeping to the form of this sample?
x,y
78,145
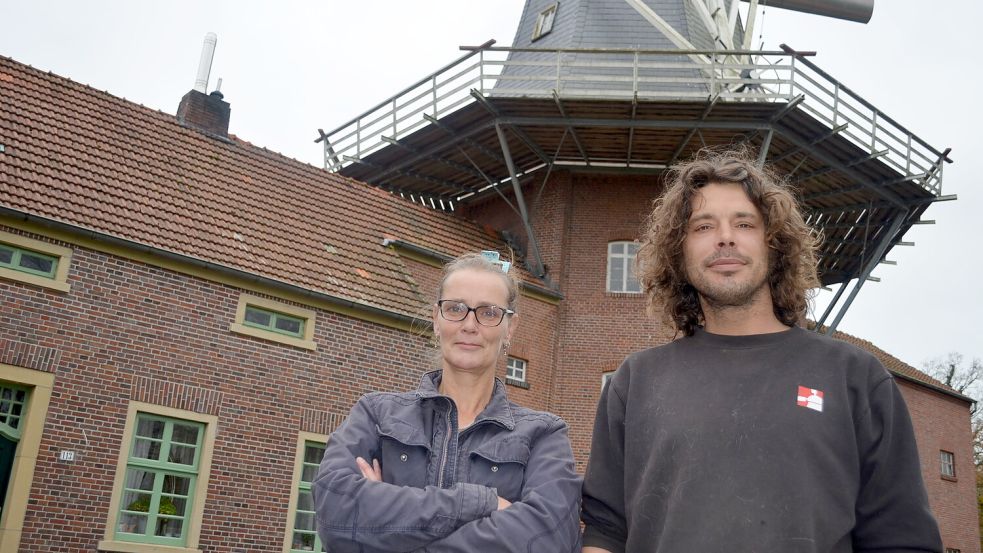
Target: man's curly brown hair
x,y
792,243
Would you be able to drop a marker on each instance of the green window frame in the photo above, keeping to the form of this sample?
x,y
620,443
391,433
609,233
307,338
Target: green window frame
x,y
159,486
28,261
13,407
304,537
274,321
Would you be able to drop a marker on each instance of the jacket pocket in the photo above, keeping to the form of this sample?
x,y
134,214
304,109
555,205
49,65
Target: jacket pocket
x,y
405,454
501,465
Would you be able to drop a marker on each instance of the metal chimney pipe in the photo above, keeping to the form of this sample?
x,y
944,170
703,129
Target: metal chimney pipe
x,y
205,64
850,10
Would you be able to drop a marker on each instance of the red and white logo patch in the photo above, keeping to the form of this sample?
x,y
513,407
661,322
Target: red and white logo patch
x,y
810,398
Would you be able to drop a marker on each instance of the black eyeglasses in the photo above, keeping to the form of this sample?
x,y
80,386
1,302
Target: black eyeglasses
x,y
486,315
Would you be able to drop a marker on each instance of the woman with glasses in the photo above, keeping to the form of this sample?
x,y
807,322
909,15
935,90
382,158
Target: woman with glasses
x,y
454,465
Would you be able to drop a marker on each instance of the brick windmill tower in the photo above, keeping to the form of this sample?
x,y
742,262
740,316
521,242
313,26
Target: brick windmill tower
x,y
559,142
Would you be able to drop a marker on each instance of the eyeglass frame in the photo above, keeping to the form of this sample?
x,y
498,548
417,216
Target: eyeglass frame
x,y
505,312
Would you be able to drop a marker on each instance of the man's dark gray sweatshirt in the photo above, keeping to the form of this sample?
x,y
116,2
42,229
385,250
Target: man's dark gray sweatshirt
x,y
785,442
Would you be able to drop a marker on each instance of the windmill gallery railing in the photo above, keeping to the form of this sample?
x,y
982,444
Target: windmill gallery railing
x,y
624,74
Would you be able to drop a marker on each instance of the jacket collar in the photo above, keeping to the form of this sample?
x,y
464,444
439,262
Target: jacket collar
x,y
498,409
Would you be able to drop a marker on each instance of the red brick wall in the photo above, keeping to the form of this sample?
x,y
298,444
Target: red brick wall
x,y
942,423
124,320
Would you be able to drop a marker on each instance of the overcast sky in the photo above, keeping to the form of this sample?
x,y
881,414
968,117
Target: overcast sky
x,y
291,67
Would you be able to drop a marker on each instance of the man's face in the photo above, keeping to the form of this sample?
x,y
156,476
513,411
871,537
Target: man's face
x,y
724,252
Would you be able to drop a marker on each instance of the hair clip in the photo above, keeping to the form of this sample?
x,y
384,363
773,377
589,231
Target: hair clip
x,y
495,258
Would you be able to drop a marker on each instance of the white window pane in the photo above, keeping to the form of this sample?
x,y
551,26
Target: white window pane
x,y
515,369
617,276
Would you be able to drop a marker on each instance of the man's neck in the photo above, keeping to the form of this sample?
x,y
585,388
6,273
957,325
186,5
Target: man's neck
x,y
758,317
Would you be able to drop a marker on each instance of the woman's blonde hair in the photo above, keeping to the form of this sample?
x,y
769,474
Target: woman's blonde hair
x,y
481,263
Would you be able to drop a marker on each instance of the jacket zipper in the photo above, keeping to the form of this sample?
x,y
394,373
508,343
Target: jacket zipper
x,y
447,441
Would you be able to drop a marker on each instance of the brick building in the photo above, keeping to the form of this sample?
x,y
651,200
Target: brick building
x,y
181,326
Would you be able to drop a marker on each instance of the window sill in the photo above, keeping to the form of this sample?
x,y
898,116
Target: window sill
x,y
36,280
611,294
517,383
273,336
949,478
132,547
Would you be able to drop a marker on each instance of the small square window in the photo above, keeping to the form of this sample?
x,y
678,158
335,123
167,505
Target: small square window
x,y
258,317
947,463
544,23
37,263
952,550
515,370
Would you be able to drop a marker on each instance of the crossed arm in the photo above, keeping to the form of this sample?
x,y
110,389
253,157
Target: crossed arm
x,y
373,473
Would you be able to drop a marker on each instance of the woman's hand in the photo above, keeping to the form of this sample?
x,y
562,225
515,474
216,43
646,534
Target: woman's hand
x,y
373,472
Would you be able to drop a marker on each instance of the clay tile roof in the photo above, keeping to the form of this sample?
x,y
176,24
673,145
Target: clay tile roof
x,y
95,161
897,366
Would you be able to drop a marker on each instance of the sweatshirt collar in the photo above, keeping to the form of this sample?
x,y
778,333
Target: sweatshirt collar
x,y
747,341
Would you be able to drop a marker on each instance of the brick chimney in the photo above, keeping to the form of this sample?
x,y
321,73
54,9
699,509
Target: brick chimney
x,y
208,113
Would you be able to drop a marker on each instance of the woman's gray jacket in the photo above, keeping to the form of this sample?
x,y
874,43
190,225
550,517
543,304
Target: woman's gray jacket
x,y
440,487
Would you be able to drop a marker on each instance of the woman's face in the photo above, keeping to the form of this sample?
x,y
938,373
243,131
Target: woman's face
x,y
466,345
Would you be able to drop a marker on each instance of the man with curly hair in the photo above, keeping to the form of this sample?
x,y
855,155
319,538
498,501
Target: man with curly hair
x,y
747,432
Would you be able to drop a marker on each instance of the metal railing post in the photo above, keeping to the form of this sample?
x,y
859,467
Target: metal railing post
x,y
713,74
481,72
395,134
358,138
836,103
634,77
791,80
873,133
434,88
557,87
907,166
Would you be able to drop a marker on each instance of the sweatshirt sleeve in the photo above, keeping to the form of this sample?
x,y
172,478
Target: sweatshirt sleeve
x,y
892,513
355,514
604,514
545,520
